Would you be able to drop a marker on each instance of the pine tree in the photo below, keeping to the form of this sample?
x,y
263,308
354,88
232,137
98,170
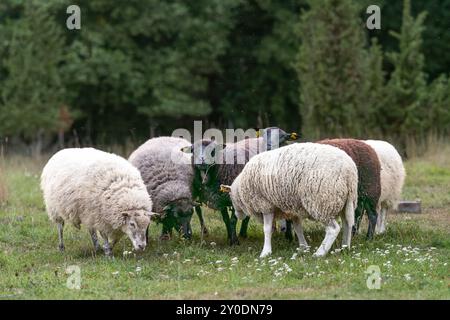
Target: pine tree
x,y
374,90
437,106
32,92
330,66
404,110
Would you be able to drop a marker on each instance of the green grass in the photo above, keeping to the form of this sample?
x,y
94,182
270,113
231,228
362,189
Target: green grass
x,y
413,255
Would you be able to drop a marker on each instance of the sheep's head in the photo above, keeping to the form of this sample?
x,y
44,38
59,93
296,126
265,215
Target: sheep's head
x,y
135,227
205,153
178,215
275,137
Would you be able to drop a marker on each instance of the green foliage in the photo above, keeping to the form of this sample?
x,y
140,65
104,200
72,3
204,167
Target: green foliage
x,y
138,61
258,86
437,105
31,92
147,66
331,66
404,111
374,89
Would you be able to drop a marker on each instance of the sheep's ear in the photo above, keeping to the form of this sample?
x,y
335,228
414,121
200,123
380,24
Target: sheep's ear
x,y
126,215
225,189
154,216
258,132
187,149
293,136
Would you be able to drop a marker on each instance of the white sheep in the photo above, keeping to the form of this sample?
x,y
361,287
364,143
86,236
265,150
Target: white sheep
x,y
392,178
100,190
303,180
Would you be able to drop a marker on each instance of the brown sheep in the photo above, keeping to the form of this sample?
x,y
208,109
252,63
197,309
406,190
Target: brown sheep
x,y
369,185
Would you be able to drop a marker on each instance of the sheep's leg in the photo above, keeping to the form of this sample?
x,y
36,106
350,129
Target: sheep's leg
x,y
331,233
112,241
106,246
381,222
233,227
373,216
244,227
267,249
358,216
198,211
94,238
226,220
297,224
166,232
60,235
346,232
288,232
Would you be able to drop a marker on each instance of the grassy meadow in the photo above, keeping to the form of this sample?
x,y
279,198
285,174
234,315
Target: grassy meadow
x,y
413,256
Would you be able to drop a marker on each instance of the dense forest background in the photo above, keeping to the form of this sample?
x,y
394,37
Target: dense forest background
x,y
141,68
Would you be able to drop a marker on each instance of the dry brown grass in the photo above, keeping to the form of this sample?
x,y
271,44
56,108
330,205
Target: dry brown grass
x,y
430,147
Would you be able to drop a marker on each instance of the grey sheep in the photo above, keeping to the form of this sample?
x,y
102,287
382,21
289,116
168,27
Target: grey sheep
x,y
168,175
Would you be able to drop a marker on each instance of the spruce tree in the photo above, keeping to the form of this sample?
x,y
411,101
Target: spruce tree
x,y
331,65
32,92
374,90
437,106
404,110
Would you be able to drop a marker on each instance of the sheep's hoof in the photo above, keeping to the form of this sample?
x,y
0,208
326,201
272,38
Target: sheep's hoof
x,y
318,254
204,231
61,248
234,241
265,254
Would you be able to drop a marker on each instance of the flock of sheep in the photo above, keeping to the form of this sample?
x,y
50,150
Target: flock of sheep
x,y
167,178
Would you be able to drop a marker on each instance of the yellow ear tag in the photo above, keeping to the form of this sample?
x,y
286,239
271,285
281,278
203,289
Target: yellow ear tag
x,y
225,189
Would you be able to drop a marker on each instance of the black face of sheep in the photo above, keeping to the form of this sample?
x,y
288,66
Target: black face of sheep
x,y
177,217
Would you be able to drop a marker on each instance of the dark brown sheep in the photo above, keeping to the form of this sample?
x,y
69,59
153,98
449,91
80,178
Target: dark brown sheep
x,y
369,186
